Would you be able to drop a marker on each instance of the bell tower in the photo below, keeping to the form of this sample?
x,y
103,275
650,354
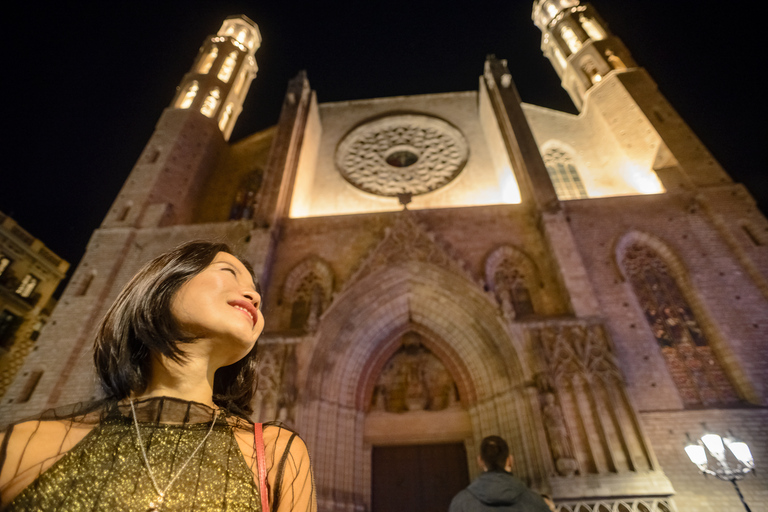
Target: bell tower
x,y
603,79
192,132
220,77
579,45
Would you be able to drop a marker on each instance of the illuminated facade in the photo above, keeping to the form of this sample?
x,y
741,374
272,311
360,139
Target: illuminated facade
x,y
29,274
443,267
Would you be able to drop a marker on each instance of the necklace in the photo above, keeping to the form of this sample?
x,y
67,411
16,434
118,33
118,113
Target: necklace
x,y
155,505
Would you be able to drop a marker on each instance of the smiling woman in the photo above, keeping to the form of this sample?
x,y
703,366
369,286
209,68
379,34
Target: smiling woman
x,y
175,355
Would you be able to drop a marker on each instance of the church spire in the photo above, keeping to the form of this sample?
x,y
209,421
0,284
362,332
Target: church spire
x,y
579,45
221,75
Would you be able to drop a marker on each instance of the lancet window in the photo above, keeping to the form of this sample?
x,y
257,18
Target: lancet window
x,y
206,62
190,92
225,73
570,38
695,369
565,178
225,116
592,28
211,103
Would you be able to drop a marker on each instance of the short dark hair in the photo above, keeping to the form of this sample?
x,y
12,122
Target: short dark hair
x,y
140,321
494,452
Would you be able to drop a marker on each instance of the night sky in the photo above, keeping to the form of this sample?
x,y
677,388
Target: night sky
x,y
85,86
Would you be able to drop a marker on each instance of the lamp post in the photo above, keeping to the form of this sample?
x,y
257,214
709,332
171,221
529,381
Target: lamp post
x,y
717,463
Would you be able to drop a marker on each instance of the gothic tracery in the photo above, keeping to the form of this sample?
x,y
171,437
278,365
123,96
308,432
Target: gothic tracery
x,y
695,370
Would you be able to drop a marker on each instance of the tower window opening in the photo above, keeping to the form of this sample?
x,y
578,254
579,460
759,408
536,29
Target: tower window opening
x,y
211,103
565,178
570,38
189,95
5,261
552,10
27,286
225,116
593,30
239,82
560,58
207,61
591,71
225,73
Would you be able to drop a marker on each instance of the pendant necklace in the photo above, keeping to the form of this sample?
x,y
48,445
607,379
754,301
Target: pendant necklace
x,y
154,506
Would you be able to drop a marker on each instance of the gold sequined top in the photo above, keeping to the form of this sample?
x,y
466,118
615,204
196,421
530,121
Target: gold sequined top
x,y
99,466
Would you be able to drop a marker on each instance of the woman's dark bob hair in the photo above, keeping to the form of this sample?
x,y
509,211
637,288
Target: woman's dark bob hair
x,y
140,322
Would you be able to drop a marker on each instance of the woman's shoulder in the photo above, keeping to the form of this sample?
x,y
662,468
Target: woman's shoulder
x,y
31,447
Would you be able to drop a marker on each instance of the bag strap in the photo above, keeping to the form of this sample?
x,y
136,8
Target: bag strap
x,y
261,460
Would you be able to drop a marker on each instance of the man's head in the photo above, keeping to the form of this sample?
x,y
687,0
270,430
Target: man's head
x,y
494,454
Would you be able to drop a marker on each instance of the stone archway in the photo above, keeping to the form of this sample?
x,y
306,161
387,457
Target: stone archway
x,y
357,335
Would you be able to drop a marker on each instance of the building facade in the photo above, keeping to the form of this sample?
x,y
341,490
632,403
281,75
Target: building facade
x,y
443,267
29,274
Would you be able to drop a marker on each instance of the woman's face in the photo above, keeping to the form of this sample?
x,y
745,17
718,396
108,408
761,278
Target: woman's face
x,y
220,305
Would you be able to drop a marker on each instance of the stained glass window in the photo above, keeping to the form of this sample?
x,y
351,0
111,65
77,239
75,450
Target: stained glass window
x,y
565,178
694,368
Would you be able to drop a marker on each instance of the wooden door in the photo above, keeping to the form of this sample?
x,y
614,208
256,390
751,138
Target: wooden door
x,y
417,478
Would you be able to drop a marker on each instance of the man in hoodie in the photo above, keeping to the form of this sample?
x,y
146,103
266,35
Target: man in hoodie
x,y
496,489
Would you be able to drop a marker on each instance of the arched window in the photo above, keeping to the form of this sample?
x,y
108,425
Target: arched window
x,y
225,73
591,71
211,103
695,370
225,116
185,100
565,178
592,28
570,38
240,81
560,58
206,62
308,290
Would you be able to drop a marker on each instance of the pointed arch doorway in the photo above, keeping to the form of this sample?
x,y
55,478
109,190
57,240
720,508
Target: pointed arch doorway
x,y
415,428
359,334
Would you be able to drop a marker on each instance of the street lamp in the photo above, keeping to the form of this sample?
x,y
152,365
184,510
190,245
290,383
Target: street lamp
x,y
718,463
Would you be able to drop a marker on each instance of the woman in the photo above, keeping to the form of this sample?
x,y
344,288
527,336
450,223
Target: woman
x,y
176,357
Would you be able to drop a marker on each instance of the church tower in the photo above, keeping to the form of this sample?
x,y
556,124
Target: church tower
x,y
599,73
192,132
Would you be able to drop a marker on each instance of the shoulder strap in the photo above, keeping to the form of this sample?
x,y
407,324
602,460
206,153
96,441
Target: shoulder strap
x,y
261,460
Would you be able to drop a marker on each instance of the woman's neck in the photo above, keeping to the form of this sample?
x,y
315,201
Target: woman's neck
x,y
191,380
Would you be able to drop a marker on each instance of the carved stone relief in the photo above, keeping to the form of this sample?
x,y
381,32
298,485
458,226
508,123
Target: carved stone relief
x,y
402,154
406,240
275,397
414,379
590,423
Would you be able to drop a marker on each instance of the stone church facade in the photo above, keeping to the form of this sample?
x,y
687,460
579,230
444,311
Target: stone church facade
x,y
444,267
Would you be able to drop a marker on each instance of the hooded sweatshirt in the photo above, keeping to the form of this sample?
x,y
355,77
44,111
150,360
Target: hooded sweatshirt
x,y
497,491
